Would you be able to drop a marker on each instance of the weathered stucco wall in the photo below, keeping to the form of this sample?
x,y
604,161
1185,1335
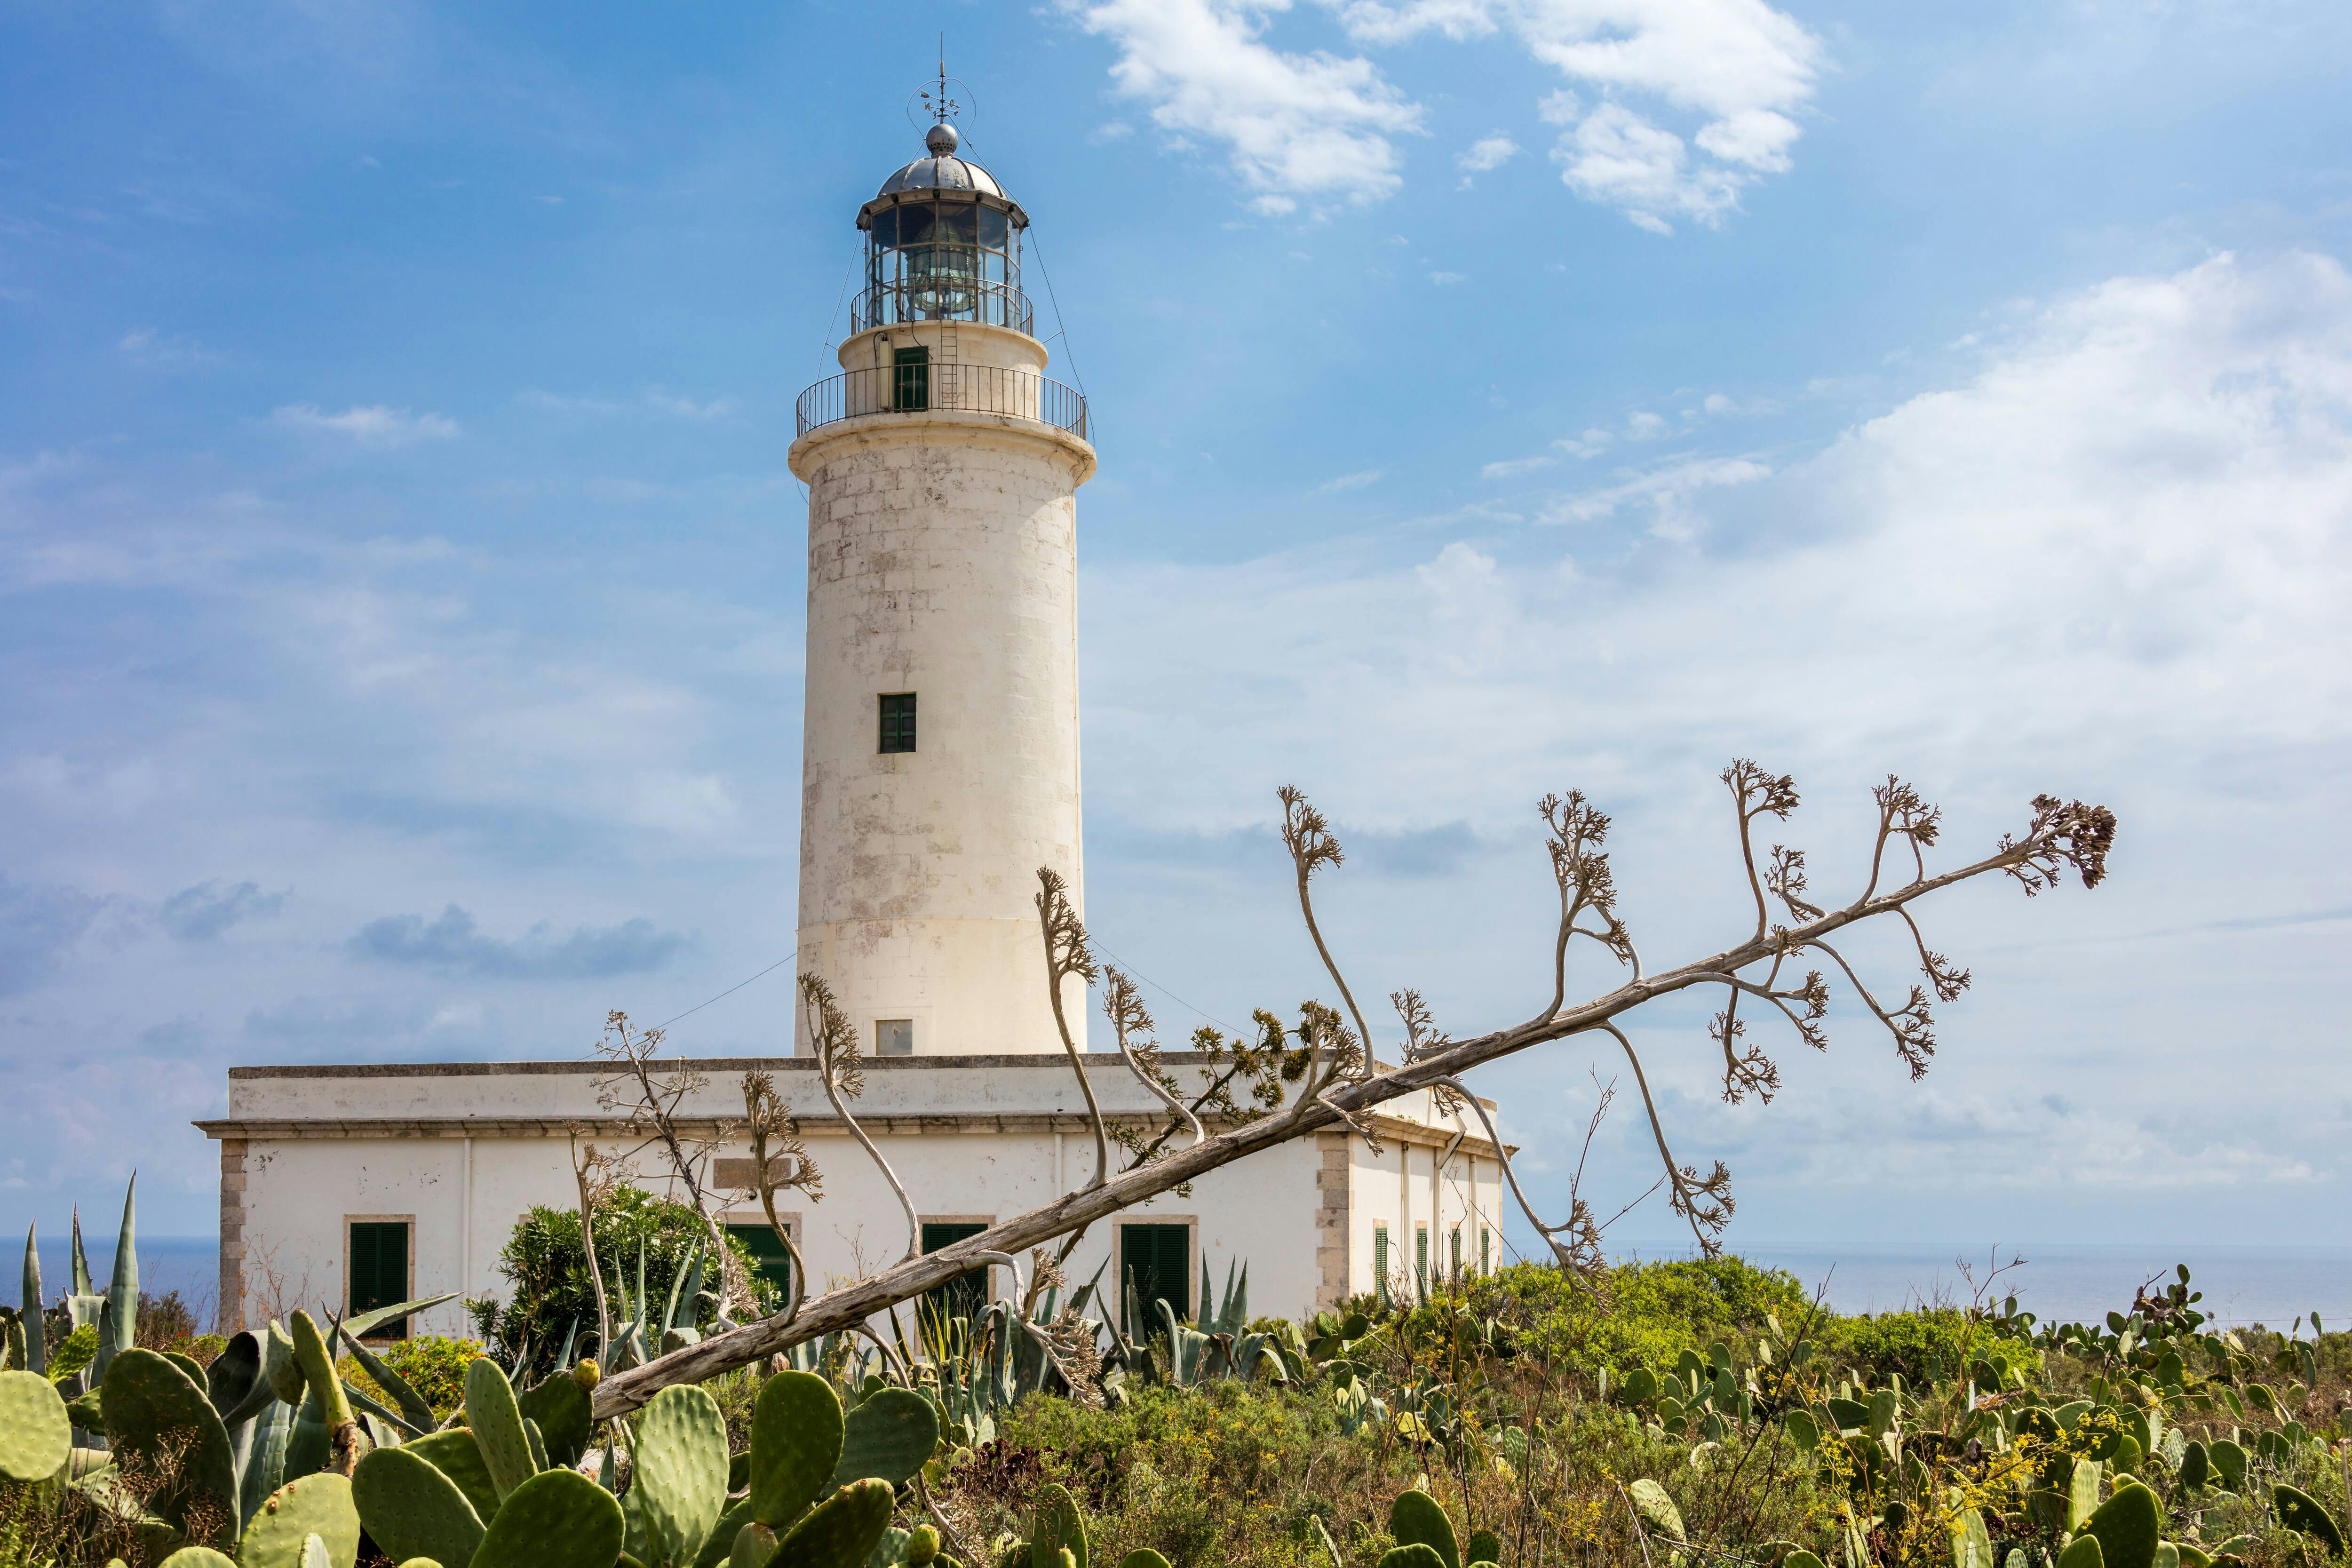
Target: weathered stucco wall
x,y
942,551
462,1151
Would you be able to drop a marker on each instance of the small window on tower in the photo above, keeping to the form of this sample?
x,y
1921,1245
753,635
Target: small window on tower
x,y
899,722
893,1036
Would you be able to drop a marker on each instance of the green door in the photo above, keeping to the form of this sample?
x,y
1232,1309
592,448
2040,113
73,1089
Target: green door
x,y
912,371
967,1294
775,1265
379,1272
1156,1263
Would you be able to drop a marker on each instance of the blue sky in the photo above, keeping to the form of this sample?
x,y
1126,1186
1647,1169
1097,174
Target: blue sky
x,y
401,588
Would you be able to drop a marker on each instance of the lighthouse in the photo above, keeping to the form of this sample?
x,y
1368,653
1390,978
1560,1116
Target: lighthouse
x,y
939,755
940,773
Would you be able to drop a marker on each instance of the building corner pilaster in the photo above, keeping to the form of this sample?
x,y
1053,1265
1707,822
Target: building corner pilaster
x,y
1334,1214
229,1315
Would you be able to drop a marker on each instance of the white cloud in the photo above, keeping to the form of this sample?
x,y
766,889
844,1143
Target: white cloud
x,y
2111,563
1511,468
374,425
1487,152
1353,481
1446,280
1311,126
1668,492
1740,68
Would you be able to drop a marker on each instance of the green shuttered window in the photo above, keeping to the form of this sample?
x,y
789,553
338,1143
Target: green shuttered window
x,y
379,1272
897,722
1380,1263
967,1294
1156,1263
775,1265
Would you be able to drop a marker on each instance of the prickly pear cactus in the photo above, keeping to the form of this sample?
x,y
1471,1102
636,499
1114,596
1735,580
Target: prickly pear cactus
x,y
681,1481
890,1434
1143,1557
411,1510
1060,1527
1417,1554
2127,1526
559,1405
841,1531
1484,1547
318,1505
797,1441
198,1557
2082,1551
2300,1511
154,1408
755,1543
36,1436
1415,1516
922,1546
557,1518
457,1455
497,1422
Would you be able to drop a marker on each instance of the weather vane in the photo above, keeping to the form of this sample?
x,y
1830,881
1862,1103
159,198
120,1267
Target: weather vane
x,y
939,105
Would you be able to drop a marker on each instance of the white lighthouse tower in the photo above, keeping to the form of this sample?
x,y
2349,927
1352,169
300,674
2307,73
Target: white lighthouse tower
x,y
940,753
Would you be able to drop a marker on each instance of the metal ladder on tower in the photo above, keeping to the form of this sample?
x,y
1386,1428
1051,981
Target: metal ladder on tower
x,y
948,375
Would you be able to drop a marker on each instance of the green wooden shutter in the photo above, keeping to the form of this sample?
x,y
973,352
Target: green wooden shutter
x,y
967,1294
774,1264
1155,1264
379,1274
1485,1251
1457,1252
1380,1263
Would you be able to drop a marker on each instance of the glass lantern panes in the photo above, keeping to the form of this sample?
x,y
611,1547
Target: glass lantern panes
x,y
949,259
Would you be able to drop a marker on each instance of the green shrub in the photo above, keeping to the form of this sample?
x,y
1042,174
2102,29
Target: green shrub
x,y
548,1270
1907,1343
1639,1312
433,1365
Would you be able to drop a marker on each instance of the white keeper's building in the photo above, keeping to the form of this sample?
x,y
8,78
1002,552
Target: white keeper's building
x,y
940,770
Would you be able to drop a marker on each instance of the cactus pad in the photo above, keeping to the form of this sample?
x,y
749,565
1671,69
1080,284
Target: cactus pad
x,y
718,1548
1657,1508
1143,1557
497,1422
2082,1551
922,1546
557,1518
1418,1555
153,1407
560,1404
198,1557
318,1505
889,1435
411,1510
841,1531
796,1440
455,1455
36,1436
2301,1510
890,1551
1060,1527
755,1543
1415,1516
681,1481
2127,1526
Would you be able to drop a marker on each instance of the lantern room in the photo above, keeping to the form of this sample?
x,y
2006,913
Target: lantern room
x,y
943,244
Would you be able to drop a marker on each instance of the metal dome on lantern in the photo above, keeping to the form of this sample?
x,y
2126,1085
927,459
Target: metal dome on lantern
x,y
943,240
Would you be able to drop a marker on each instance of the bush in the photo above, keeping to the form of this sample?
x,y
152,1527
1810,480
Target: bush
x,y
548,1268
1639,1312
433,1365
1907,1342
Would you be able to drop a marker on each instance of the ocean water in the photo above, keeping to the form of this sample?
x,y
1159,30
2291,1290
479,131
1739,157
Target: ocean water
x,y
2066,1282
188,1264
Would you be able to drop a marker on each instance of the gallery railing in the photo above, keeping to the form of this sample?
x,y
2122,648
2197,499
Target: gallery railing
x,y
958,388
942,299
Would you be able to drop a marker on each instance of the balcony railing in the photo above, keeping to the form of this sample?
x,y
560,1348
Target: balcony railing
x,y
939,299
962,389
